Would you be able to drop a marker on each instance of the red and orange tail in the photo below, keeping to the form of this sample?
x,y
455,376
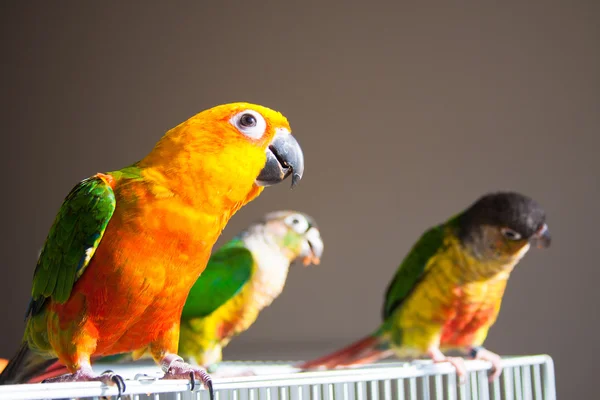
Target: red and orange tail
x,y
367,350
52,371
24,366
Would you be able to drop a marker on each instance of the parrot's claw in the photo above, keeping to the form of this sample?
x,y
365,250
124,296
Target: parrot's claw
x,y
480,353
117,379
87,375
176,368
457,362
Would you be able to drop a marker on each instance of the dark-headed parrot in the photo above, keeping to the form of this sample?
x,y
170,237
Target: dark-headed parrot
x,y
447,292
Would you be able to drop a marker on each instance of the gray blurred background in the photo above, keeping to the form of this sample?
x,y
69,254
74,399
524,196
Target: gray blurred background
x,y
406,114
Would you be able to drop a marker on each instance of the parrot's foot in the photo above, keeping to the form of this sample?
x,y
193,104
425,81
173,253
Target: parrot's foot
x,y
87,375
176,368
480,353
457,362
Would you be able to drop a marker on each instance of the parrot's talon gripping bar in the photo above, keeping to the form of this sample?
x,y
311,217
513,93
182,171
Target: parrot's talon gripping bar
x,y
192,382
168,360
117,380
167,363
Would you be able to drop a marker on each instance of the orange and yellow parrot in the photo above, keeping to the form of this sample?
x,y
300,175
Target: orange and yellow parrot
x,y
447,292
127,246
242,278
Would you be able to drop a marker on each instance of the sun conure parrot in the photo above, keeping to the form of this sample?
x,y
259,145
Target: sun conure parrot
x,y
241,278
127,246
447,292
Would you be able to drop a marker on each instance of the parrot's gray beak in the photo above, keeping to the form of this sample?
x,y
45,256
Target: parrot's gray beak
x,y
284,158
542,239
313,250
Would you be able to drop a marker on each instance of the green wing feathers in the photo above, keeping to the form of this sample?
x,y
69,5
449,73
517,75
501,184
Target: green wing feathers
x,y
412,268
226,273
72,241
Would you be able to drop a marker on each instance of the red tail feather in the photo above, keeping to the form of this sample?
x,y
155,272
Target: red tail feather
x,y
52,371
366,350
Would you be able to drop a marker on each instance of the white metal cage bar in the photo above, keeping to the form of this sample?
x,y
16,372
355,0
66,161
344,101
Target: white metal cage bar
x,y
523,378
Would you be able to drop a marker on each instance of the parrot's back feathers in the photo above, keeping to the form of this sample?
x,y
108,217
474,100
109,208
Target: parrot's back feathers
x,y
72,241
24,366
412,269
227,271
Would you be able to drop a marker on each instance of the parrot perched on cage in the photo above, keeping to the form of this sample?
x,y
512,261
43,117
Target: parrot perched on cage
x,y
241,278
447,292
127,246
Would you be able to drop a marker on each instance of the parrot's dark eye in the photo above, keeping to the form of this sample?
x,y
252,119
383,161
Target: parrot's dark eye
x,y
298,223
510,234
248,121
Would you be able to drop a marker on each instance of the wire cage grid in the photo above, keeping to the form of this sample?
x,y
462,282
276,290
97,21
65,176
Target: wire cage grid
x,y
523,378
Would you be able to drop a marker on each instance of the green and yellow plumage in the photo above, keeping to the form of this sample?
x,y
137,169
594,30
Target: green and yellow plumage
x,y
243,277
206,320
447,292
456,304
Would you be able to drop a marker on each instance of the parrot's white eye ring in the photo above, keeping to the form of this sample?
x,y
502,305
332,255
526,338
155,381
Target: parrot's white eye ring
x,y
510,234
250,123
297,222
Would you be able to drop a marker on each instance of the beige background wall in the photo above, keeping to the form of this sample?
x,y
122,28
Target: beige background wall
x,y
406,114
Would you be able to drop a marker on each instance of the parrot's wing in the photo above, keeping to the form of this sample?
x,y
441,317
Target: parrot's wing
x,y
412,269
72,241
227,271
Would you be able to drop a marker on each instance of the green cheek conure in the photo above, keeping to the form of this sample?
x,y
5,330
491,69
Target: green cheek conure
x,y
447,292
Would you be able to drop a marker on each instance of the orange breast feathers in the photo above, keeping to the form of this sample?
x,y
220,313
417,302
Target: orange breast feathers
x,y
170,209
473,311
139,277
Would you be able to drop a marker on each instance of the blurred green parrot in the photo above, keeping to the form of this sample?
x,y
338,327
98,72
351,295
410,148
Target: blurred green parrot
x,y
242,278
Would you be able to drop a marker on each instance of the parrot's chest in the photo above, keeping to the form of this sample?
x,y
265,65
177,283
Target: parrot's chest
x,y
270,273
454,304
138,280
266,284
474,306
